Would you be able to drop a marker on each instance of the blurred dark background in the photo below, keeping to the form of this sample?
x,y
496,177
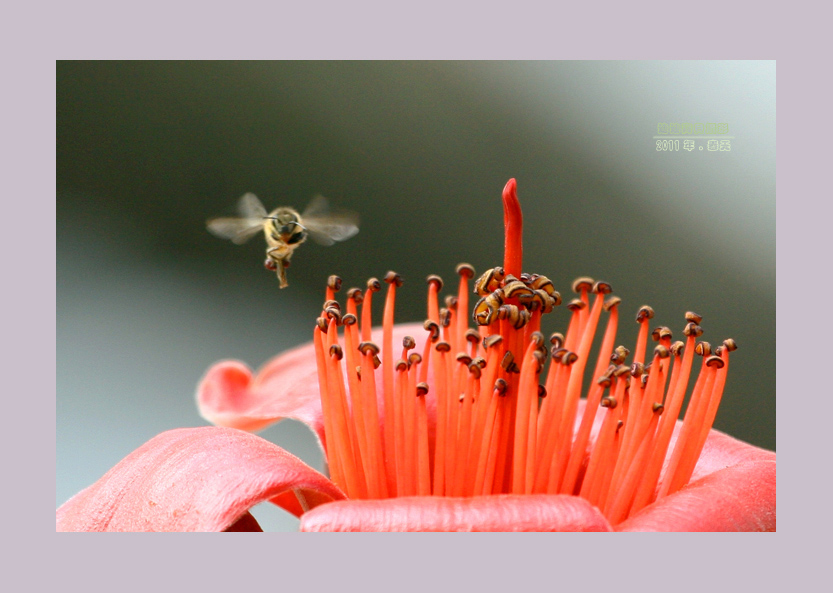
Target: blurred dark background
x,y
146,151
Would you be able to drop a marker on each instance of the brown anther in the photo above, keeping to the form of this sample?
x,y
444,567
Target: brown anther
x,y
508,360
523,318
637,369
703,348
475,370
582,284
543,283
730,344
433,278
377,362
715,361
510,312
557,353
622,370
569,358
609,402
479,361
556,298
612,302
693,317
485,310
644,379
365,347
526,278
464,358
533,301
373,285
557,339
489,281
657,408
655,333
349,319
334,283
540,359
333,313
414,358
359,372
622,351
336,351
619,425
393,278
433,329
645,312
328,304
443,347
719,351
516,289
356,295
422,389
665,334
692,329
662,351
408,343
322,324
677,348
466,270
602,287
604,381
401,365
451,302
500,386
445,317
472,336
462,398
576,305
542,391
538,338
491,341
509,279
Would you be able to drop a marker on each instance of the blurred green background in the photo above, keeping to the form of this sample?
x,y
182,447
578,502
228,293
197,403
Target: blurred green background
x,y
146,151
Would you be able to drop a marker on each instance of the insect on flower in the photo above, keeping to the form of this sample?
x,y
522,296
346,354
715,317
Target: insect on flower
x,y
285,229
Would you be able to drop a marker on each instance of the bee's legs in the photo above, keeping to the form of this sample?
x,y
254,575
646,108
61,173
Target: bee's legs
x,y
281,262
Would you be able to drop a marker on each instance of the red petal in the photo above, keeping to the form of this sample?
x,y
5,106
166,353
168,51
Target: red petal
x,y
286,387
193,479
536,512
732,489
738,498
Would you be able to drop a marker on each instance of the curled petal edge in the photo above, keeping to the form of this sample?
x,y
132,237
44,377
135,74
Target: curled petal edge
x,y
286,387
195,479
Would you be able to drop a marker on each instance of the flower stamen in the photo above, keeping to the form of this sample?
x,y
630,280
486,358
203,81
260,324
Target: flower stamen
x,y
484,421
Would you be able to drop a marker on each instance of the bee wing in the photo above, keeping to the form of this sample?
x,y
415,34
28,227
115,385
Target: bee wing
x,y
250,207
239,230
326,227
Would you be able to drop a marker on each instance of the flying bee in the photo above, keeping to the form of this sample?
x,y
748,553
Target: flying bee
x,y
284,228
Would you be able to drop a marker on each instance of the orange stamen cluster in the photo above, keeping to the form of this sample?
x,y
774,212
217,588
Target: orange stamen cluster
x,y
498,424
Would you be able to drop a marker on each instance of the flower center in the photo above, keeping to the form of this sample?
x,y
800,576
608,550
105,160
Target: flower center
x,y
473,413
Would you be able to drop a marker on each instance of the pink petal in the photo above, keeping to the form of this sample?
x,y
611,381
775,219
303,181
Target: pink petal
x,y
193,479
737,498
286,387
507,512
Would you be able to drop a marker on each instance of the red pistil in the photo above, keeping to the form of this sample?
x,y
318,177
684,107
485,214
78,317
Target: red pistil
x,y
467,414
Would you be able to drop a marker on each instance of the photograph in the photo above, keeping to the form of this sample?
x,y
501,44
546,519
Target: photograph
x,y
416,295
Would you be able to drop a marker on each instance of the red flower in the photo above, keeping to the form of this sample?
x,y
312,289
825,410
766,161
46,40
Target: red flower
x,y
462,432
